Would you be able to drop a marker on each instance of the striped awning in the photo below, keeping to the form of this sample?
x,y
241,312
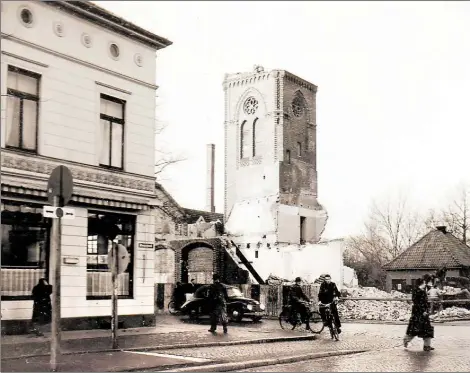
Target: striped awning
x,y
21,208
78,197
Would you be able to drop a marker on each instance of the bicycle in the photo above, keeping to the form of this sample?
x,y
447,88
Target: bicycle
x,y
291,320
329,321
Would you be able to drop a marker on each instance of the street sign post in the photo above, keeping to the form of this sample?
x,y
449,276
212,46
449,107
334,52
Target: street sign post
x,y
118,260
59,192
58,212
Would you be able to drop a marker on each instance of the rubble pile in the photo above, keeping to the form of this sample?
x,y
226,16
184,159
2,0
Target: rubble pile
x,y
275,280
449,290
374,309
452,313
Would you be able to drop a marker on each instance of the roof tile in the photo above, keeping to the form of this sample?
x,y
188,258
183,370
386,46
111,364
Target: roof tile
x,y
434,250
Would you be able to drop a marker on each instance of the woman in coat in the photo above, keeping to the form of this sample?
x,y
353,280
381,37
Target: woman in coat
x,y
42,309
420,324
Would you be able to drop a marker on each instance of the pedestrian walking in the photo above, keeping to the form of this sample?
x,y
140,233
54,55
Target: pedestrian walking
x,y
218,298
42,308
420,324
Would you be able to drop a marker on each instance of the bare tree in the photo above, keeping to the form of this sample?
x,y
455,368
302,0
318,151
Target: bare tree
x,y
457,215
164,158
366,254
397,223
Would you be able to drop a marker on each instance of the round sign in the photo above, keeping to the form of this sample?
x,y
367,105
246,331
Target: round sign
x,y
123,258
60,185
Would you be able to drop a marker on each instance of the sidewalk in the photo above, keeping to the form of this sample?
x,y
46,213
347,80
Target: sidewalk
x,y
168,334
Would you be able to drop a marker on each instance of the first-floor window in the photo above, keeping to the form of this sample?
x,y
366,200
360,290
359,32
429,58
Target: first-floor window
x,y
112,131
100,225
22,109
25,249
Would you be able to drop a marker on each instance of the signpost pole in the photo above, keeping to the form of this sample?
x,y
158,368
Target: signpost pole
x,y
59,193
114,275
55,280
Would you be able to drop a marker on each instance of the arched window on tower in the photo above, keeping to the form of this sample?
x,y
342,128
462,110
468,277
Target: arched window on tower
x,y
256,137
244,140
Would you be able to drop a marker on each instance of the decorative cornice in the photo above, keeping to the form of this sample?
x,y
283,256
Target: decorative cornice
x,y
32,164
235,80
113,88
24,59
103,18
300,82
77,60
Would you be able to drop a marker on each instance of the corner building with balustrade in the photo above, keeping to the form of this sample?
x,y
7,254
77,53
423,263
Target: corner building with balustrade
x,y
77,89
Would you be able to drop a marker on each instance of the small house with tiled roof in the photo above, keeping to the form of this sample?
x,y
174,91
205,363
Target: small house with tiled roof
x,y
435,250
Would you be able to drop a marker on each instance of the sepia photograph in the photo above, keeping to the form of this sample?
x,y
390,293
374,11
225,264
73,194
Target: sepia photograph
x,y
235,186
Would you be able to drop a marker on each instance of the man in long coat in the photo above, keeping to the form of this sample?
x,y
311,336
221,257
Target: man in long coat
x,y
218,298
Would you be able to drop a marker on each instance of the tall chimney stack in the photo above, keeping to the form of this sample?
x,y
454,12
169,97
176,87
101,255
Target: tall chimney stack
x,y
210,177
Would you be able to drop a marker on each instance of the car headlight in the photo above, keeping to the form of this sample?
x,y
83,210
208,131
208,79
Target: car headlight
x,y
262,306
249,307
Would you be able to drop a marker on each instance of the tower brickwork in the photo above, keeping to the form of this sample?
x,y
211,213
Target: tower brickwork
x,y
270,158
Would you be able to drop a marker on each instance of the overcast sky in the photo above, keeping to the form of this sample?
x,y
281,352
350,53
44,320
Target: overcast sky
x,y
393,104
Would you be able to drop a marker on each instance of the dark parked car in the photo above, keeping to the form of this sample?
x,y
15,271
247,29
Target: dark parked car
x,y
238,306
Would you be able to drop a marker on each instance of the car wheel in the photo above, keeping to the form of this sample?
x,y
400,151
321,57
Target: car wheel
x,y
194,314
236,315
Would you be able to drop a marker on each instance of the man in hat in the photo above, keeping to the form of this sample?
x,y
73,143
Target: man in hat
x,y
218,298
299,300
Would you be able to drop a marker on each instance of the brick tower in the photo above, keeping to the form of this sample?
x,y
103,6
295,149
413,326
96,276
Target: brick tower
x,y
270,159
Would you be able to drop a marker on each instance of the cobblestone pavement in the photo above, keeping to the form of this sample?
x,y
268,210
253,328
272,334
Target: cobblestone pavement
x,y
451,355
169,331
383,340
354,336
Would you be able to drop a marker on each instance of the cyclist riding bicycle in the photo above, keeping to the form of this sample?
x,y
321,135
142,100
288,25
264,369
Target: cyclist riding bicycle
x,y
329,294
299,302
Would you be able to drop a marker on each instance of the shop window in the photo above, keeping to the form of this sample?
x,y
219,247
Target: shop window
x,y
100,225
25,249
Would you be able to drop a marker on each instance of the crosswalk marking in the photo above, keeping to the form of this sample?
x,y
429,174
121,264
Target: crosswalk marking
x,y
187,358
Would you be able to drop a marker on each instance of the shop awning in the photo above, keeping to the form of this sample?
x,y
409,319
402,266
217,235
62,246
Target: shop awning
x,y
79,197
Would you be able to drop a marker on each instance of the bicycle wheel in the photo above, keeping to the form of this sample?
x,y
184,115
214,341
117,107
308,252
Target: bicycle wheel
x,y
316,323
285,322
172,308
333,331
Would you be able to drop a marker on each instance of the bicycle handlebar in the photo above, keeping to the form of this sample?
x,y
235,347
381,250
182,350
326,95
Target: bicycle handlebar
x,y
327,304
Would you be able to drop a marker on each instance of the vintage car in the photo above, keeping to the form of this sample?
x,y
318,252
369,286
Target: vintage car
x,y
238,306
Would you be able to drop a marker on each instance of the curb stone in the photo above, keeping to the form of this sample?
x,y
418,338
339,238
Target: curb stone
x,y
177,346
237,366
